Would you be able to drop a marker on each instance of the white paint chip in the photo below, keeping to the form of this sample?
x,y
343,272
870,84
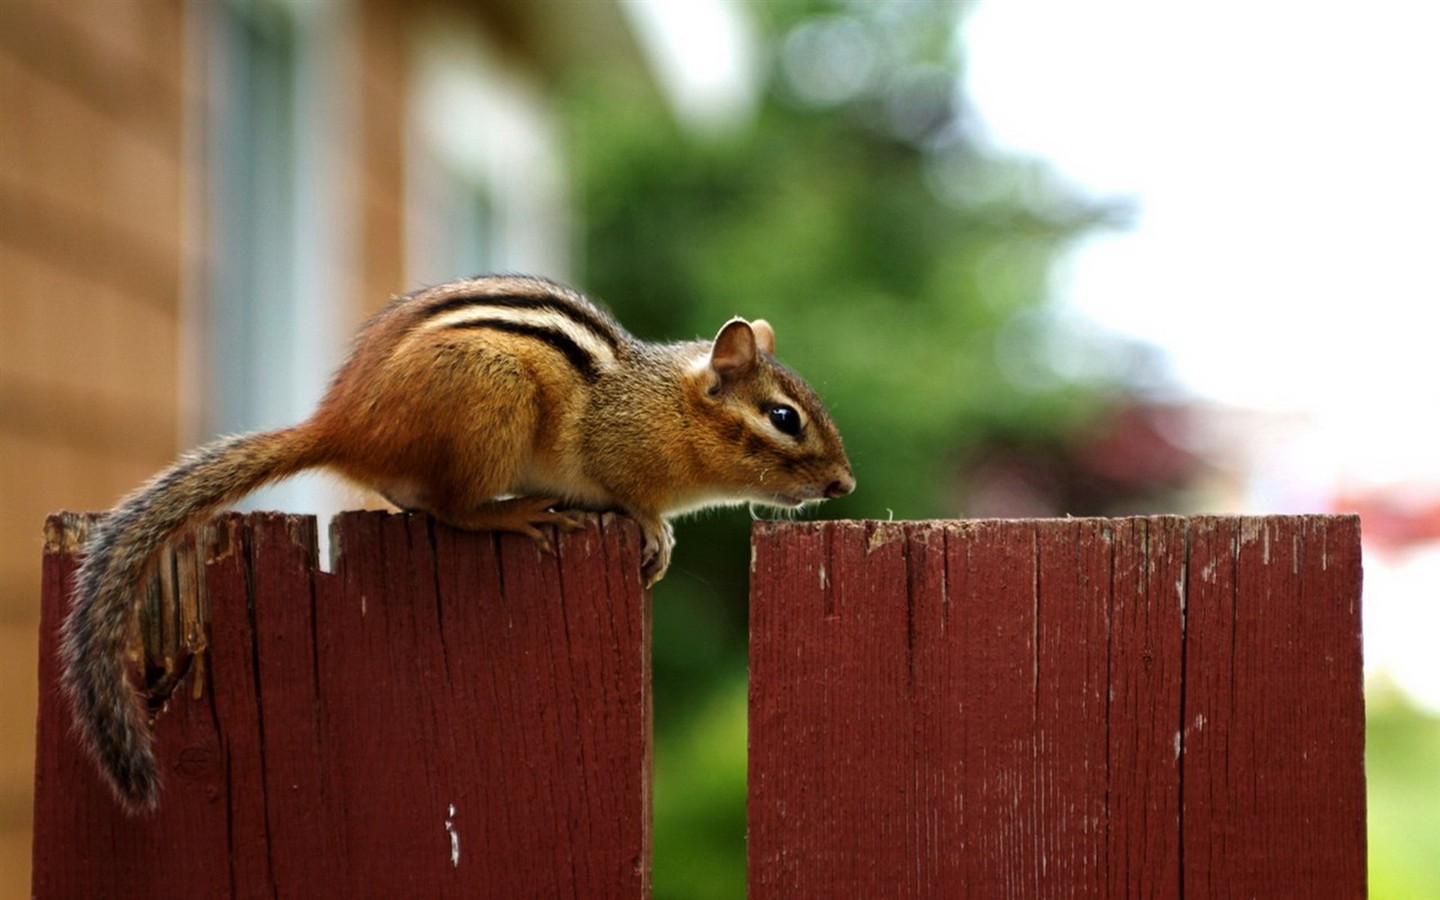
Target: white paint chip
x,y
454,837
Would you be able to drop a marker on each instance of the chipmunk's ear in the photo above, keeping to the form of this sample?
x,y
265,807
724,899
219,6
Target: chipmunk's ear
x,y
764,335
734,352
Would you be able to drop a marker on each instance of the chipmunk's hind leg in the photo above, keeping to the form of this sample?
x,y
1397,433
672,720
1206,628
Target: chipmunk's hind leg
x,y
520,515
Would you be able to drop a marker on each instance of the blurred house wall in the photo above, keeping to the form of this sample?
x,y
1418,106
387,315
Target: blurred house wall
x,y
109,260
91,255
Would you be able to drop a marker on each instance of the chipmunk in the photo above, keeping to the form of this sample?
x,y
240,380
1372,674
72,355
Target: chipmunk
x,y
497,403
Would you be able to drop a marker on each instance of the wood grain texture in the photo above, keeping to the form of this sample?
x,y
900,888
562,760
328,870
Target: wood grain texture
x,y
444,715
1157,707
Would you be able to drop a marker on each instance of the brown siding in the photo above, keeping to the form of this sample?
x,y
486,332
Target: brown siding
x,y
90,273
382,136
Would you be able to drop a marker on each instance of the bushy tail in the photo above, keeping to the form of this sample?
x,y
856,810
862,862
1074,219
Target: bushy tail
x,y
110,715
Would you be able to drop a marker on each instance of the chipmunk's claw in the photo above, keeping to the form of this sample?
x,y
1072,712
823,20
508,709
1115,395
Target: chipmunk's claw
x,y
538,514
520,515
655,552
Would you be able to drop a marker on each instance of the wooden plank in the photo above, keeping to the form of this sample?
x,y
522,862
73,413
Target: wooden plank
x,y
1273,792
936,617
993,566
446,714
1147,603
302,807
1131,707
869,745
1071,732
790,612
225,776
84,846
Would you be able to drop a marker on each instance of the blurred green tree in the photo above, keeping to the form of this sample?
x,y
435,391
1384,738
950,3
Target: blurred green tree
x,y
905,269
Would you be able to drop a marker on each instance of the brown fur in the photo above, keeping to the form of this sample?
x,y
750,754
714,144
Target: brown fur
x,y
454,398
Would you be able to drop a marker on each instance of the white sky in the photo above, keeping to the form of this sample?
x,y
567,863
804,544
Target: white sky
x,y
703,54
1286,161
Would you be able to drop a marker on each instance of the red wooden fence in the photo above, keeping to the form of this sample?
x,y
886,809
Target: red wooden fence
x,y
1137,707
446,715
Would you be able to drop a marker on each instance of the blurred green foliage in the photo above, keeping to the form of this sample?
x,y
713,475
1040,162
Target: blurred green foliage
x,y
1402,775
908,302
905,270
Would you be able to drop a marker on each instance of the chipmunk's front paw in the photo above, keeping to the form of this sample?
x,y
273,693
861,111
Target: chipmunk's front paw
x,y
655,552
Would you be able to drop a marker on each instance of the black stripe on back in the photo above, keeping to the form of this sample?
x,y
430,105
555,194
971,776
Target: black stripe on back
x,y
575,313
577,356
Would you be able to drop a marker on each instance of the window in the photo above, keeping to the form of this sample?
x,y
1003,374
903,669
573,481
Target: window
x,y
272,290
485,187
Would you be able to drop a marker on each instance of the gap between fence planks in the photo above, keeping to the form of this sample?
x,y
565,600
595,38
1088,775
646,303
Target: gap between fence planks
x,y
446,715
1157,707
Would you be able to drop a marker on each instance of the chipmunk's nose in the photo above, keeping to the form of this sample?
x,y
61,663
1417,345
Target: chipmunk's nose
x,y
840,486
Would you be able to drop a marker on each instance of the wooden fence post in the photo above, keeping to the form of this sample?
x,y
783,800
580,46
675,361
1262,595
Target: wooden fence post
x,y
444,715
1134,707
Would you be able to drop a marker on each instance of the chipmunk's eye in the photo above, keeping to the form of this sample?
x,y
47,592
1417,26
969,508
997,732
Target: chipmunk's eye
x,y
785,418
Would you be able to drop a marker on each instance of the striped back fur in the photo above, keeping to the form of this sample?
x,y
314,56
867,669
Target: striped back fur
x,y
588,338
